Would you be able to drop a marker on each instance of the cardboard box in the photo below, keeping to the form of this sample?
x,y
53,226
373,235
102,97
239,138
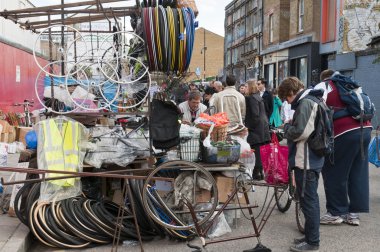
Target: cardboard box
x,y
12,134
4,137
21,133
225,187
5,125
203,196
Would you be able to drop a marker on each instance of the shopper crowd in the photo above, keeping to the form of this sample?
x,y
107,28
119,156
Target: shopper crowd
x,y
290,107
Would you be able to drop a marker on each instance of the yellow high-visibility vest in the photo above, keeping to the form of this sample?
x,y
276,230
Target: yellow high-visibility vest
x,y
61,149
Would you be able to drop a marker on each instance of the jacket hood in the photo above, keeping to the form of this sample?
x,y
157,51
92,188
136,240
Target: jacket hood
x,y
314,92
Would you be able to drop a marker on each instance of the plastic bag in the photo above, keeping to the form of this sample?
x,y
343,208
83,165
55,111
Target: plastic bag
x,y
219,227
374,152
274,158
244,145
112,148
189,142
218,119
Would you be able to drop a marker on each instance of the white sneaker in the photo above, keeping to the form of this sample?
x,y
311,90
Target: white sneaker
x,y
352,219
329,219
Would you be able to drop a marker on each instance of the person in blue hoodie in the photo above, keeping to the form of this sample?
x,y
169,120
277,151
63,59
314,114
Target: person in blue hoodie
x,y
306,164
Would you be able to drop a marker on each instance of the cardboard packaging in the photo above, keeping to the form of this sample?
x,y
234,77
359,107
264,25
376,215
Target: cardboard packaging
x,y
4,138
21,133
203,196
11,134
225,187
5,125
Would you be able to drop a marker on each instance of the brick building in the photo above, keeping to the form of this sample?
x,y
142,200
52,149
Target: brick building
x,y
243,31
291,34
207,55
349,30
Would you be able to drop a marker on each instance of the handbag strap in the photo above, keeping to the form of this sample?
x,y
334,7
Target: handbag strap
x,y
274,138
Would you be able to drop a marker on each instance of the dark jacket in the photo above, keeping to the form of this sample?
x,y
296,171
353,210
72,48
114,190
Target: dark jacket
x,y
268,102
256,121
299,130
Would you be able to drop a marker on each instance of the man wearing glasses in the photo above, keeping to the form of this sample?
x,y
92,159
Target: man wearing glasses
x,y
192,108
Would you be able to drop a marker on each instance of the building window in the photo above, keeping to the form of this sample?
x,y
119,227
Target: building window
x,y
301,11
298,68
270,75
282,70
270,28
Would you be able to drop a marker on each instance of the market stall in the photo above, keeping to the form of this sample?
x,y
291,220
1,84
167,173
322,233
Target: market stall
x,y
112,160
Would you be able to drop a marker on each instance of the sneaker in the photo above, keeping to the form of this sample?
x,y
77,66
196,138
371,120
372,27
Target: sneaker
x,y
304,246
329,219
352,219
299,240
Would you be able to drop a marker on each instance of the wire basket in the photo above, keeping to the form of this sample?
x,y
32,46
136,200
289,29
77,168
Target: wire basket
x,y
189,148
219,133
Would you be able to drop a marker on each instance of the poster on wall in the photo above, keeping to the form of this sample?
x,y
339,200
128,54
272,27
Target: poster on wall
x,y
18,74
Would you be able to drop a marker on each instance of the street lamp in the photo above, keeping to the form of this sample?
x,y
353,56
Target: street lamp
x,y
203,51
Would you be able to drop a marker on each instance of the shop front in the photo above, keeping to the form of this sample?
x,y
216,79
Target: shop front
x,y
305,63
275,67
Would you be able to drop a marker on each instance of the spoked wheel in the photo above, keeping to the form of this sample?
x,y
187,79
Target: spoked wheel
x,y
283,198
174,186
300,218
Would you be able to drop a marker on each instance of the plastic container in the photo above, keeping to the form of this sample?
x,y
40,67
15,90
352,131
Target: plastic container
x,y
3,155
222,153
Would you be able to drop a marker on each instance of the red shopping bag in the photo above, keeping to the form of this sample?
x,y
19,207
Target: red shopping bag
x,y
274,158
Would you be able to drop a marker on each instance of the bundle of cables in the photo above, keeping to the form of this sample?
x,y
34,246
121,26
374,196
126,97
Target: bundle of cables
x,y
83,222
169,37
154,3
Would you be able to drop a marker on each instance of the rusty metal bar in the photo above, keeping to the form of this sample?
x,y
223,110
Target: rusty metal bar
x,y
67,177
80,174
67,22
231,239
83,11
52,7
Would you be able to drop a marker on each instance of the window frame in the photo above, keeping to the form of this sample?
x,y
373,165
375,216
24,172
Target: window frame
x,y
301,15
271,28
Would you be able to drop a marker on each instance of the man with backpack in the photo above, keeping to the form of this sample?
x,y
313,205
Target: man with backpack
x,y
306,163
345,173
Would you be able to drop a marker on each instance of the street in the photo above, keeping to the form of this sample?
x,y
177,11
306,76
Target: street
x,y
281,228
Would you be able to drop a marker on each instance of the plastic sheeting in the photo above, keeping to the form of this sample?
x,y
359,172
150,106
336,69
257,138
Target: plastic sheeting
x,y
113,146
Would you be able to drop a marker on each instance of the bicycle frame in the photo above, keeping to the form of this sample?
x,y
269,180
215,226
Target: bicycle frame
x,y
202,231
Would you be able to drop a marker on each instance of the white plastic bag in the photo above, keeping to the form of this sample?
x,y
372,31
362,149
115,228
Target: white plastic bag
x,y
220,227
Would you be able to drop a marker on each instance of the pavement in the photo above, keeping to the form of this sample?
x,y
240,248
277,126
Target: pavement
x,y
277,234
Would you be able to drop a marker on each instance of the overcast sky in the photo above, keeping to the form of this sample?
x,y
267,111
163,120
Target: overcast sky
x,y
211,12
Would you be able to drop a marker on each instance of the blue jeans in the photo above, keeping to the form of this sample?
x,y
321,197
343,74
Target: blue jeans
x,y
346,180
309,203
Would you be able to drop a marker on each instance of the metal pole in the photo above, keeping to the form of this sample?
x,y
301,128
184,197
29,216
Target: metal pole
x,y
63,39
204,54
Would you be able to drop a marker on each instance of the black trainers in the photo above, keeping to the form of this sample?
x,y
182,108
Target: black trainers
x,y
303,246
299,240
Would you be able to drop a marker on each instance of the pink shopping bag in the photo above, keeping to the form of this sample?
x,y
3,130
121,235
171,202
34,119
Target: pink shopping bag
x,y
274,158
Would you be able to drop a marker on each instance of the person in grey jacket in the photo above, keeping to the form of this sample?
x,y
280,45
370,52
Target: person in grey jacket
x,y
258,126
306,164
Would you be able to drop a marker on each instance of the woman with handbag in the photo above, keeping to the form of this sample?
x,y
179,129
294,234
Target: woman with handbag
x,y
258,126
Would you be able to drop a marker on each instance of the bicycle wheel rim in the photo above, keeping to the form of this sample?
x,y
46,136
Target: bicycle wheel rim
x,y
173,165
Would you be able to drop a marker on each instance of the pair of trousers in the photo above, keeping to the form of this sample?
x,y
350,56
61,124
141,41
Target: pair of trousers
x,y
346,175
309,203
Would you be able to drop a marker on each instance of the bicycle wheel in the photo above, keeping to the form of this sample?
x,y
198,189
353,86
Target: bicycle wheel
x,y
165,201
300,218
283,198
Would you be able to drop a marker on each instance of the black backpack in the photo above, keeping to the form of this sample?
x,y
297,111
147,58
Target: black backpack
x,y
321,141
164,124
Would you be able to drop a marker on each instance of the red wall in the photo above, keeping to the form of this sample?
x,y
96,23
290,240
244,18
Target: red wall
x,y
11,91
